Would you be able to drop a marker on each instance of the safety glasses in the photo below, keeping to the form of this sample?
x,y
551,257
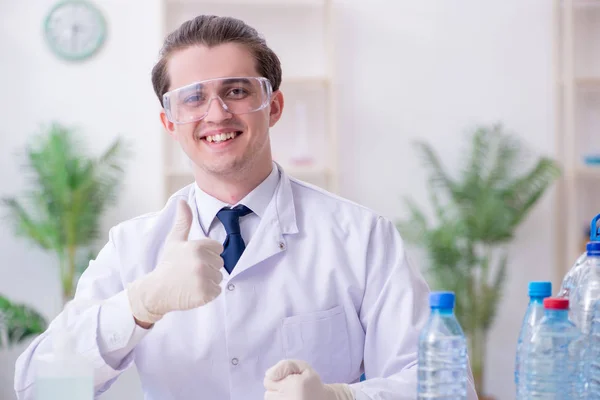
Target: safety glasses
x,y
237,95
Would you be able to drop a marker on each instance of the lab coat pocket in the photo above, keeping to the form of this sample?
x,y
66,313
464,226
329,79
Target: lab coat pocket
x,y
321,339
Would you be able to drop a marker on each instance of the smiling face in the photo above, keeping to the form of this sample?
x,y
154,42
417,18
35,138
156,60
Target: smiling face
x,y
223,144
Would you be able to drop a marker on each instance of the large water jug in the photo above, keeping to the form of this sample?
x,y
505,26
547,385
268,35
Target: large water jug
x,y
593,357
584,294
572,277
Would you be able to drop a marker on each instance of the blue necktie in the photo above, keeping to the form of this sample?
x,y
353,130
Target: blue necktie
x,y
234,243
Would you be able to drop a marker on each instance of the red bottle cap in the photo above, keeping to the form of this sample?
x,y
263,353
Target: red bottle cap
x,y
556,303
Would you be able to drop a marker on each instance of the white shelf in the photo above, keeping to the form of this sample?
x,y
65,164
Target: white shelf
x,y
584,83
301,172
178,173
253,3
316,175
591,83
298,171
589,171
577,66
587,4
582,4
306,80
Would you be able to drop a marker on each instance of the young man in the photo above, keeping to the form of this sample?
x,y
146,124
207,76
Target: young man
x,y
249,284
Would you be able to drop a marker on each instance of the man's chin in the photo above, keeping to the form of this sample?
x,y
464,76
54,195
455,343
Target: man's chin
x,y
223,169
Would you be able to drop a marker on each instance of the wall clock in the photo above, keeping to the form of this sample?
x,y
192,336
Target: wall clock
x,y
75,29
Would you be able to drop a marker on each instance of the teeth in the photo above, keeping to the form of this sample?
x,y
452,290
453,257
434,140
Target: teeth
x,y
220,137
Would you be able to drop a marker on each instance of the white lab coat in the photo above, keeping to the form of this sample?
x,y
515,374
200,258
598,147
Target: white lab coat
x,y
323,280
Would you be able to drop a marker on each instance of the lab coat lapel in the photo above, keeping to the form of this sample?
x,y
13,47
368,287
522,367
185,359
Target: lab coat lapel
x,y
270,236
196,231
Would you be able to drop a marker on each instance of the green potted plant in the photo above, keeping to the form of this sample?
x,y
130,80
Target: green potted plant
x,y
18,322
69,192
476,214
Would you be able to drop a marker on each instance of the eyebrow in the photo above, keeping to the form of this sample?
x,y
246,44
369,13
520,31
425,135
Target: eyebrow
x,y
201,84
236,80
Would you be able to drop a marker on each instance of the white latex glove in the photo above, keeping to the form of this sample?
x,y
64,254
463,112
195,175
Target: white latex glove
x,y
187,275
296,380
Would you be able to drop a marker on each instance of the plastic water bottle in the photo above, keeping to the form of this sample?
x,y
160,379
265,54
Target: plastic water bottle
x,y
63,374
587,291
573,277
442,370
571,282
593,368
584,298
552,366
538,291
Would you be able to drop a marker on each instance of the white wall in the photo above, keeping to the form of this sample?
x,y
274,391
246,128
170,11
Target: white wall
x,y
430,70
407,70
106,96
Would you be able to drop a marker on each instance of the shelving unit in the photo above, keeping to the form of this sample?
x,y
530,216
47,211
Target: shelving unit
x,y
301,34
577,58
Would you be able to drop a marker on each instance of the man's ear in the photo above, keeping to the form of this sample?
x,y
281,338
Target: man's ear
x,y
276,108
169,126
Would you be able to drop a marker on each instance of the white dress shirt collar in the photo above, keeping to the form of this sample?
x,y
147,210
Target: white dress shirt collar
x,y
257,200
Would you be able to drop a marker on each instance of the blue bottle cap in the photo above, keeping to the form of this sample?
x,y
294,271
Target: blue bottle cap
x,y
593,246
593,249
441,299
540,289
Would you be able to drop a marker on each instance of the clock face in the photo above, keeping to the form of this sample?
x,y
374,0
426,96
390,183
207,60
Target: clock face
x,y
75,29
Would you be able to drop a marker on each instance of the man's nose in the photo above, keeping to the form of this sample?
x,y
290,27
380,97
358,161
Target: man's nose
x,y
216,111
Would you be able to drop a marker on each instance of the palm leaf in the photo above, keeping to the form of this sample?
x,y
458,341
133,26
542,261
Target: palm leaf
x,y
19,322
69,192
524,192
438,178
479,210
26,226
508,154
476,162
486,217
414,229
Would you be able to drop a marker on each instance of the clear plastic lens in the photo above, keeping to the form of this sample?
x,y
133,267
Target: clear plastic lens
x,y
237,95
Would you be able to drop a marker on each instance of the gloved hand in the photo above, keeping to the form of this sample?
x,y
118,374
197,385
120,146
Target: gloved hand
x,y
296,380
187,275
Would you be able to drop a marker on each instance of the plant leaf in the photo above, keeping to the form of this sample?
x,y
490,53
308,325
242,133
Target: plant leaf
x,y
524,193
19,321
475,213
491,294
438,178
68,193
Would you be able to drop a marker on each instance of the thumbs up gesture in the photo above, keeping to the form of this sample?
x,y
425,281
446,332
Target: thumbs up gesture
x,y
297,380
186,276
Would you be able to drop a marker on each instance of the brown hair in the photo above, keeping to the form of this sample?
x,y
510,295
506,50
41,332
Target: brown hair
x,y
211,30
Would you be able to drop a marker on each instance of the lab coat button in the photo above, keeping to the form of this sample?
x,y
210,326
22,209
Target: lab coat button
x,y
235,361
230,287
281,245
